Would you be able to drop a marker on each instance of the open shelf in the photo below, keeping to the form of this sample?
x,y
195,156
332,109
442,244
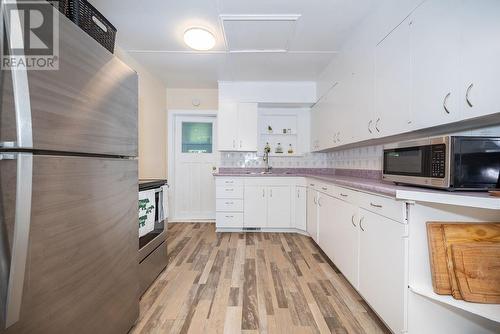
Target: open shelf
x,y
488,311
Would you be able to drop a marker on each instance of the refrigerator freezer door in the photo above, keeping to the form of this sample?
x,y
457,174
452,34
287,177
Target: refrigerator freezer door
x,y
89,105
81,271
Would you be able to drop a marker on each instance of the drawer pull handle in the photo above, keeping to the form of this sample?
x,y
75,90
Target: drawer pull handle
x,y
376,205
229,203
344,195
229,216
229,182
312,184
361,223
352,221
324,188
230,189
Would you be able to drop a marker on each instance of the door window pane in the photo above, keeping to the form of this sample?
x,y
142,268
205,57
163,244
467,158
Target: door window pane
x,y
196,137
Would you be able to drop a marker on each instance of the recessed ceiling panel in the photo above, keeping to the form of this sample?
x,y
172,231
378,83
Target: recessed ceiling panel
x,y
267,33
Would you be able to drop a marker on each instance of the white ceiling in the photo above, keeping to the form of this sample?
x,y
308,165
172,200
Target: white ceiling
x,y
152,31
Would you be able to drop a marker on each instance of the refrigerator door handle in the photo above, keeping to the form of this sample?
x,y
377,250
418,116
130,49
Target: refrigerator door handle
x,y
22,103
20,240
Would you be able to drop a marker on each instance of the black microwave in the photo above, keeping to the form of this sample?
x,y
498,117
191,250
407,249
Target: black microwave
x,y
449,162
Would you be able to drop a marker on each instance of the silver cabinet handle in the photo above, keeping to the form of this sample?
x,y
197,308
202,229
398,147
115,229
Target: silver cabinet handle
x,y
370,126
311,184
229,216
298,193
361,223
263,193
229,203
315,200
319,201
234,143
376,205
352,221
324,188
229,182
20,239
271,192
467,95
229,189
376,125
241,143
445,102
344,195
338,137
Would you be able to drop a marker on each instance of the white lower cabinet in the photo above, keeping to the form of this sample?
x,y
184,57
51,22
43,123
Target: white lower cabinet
x,y
345,239
261,202
369,248
383,252
279,207
312,213
299,212
255,206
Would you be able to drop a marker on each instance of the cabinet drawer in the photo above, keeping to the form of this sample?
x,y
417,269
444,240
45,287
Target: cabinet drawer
x,y
229,182
347,195
229,192
229,219
383,206
229,205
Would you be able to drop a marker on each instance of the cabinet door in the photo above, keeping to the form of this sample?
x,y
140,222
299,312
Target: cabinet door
x,y
435,35
247,127
382,267
327,219
255,207
312,213
227,126
300,198
480,54
392,83
345,239
279,207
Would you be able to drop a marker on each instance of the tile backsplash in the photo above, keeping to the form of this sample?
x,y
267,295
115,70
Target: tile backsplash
x,y
366,158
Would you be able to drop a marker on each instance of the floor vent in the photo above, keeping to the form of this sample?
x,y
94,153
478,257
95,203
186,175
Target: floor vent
x,y
251,229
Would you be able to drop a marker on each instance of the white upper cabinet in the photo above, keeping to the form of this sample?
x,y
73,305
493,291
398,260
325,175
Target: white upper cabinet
x,y
247,126
435,47
480,58
392,83
237,126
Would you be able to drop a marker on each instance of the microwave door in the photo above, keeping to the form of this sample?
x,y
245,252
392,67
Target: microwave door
x,y
411,161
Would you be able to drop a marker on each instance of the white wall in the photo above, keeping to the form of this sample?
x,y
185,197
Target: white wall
x,y
152,121
182,99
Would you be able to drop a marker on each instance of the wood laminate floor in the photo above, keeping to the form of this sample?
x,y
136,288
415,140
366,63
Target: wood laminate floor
x,y
250,283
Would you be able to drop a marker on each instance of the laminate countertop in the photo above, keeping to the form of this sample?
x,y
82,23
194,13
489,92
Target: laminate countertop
x,y
479,199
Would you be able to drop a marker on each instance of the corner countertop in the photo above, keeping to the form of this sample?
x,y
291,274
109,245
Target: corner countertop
x,y
369,183
146,184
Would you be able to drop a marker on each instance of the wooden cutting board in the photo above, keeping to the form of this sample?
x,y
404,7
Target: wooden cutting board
x,y
440,238
477,269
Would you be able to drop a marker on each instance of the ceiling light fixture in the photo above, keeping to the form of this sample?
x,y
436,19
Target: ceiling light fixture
x,y
199,39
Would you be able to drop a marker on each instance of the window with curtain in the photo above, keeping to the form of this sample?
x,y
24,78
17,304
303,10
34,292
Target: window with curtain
x,y
196,137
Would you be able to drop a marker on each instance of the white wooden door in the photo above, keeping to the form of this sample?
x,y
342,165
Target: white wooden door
x,y
480,54
382,267
255,206
194,157
392,83
300,199
435,41
345,240
247,128
312,213
279,208
227,121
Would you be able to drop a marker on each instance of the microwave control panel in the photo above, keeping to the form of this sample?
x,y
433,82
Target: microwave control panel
x,y
438,161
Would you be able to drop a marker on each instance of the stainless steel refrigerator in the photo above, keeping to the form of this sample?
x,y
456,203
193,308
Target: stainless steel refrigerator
x,y
68,193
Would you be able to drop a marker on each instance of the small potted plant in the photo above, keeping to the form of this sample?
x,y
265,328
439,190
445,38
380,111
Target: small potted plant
x,y
269,129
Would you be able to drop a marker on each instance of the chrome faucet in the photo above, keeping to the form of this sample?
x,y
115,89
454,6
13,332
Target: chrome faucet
x,y
267,150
